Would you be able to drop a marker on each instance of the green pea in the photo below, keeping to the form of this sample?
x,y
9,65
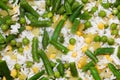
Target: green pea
x,y
66,65
104,38
20,49
110,41
25,41
57,74
97,38
52,64
72,41
106,26
4,27
84,1
94,9
9,22
13,42
102,13
87,24
22,20
29,64
115,32
17,66
19,44
106,5
118,7
113,26
115,11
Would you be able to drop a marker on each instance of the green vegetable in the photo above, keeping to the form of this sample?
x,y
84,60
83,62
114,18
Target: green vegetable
x,y
57,74
75,13
61,39
115,32
17,66
2,39
24,4
85,16
20,49
97,38
22,20
104,50
88,65
56,6
87,24
106,5
60,46
73,69
44,78
37,75
110,41
46,63
47,15
4,70
25,41
35,55
118,15
114,70
4,27
75,26
19,44
118,7
91,55
113,26
94,9
61,10
71,1
13,42
84,1
53,64
95,73
68,8
66,65
104,39
115,11
102,13
4,6
45,40
29,64
72,41
21,29
118,52
75,5
48,4
10,37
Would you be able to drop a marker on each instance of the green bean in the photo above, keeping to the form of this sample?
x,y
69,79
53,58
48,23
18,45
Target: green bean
x,y
21,29
91,55
37,75
76,13
24,4
75,5
71,1
4,70
73,69
60,67
85,16
2,46
22,12
61,10
31,17
47,15
35,49
48,4
117,2
46,63
45,39
68,8
61,39
60,47
75,26
57,74
58,28
88,65
114,70
44,78
5,1
95,73
9,38
2,39
4,6
104,50
56,5
118,52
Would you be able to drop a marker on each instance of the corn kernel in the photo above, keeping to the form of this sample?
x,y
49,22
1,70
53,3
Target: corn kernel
x,y
79,65
88,40
71,47
26,48
3,78
13,73
74,54
82,61
97,67
84,48
108,57
29,28
52,56
101,26
79,33
35,69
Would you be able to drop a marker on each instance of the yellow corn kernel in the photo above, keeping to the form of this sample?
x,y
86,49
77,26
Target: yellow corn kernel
x,y
70,47
13,73
108,57
88,40
79,65
82,61
84,48
29,28
101,26
9,47
26,48
74,54
3,78
22,76
35,69
79,33
52,56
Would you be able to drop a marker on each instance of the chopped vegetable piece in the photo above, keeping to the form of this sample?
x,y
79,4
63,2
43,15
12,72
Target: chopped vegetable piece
x,y
2,39
72,41
25,41
118,52
68,8
73,69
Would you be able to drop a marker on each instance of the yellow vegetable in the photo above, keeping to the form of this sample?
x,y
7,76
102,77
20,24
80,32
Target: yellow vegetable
x,y
108,57
71,47
3,78
88,40
84,48
22,76
13,73
29,28
101,26
74,54
52,56
35,69
82,62
79,33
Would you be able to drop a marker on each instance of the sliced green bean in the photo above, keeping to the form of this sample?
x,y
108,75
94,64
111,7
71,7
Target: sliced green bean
x,y
2,39
118,52
68,8
73,69
56,6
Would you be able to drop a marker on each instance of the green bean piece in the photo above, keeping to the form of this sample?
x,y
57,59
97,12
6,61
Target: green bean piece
x,y
73,69
60,67
60,47
46,63
75,26
48,15
2,39
68,8
71,1
114,70
118,15
94,9
85,16
24,4
91,55
4,70
48,4
88,65
58,28
21,29
117,2
5,1
37,75
118,52
35,49
22,20
106,5
4,6
10,37
56,6
76,13
75,5
44,78
31,17
104,50
22,12
66,65
45,39
95,73
61,10
53,64
2,46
